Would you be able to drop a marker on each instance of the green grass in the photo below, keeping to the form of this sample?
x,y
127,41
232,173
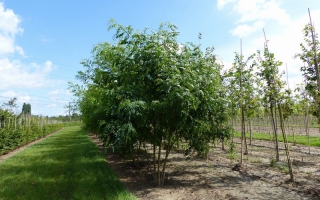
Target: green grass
x,y
314,141
66,165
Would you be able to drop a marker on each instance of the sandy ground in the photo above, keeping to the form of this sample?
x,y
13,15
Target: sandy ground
x,y
213,178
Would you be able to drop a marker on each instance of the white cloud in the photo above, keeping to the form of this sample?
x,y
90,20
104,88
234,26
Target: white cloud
x,y
17,76
52,105
222,3
13,74
252,10
254,14
283,32
59,91
244,29
285,43
47,67
21,96
9,28
19,50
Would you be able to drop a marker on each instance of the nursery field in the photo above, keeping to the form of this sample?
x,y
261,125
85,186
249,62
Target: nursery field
x,y
217,177
66,165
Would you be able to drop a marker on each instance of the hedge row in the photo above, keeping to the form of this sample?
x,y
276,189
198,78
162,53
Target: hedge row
x,y
14,136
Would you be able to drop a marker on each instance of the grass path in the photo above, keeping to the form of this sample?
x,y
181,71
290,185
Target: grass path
x,y
299,139
66,165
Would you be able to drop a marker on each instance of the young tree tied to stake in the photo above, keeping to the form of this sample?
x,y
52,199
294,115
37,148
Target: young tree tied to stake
x,y
311,56
273,86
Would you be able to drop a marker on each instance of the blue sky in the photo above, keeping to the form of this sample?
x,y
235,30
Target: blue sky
x,y
42,42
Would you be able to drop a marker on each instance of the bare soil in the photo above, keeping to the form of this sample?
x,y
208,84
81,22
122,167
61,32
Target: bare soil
x,y
213,178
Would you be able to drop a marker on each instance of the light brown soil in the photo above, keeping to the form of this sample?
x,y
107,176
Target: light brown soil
x,y
214,178
17,150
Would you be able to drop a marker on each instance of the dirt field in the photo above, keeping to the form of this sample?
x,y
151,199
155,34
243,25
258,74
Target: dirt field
x,y
214,178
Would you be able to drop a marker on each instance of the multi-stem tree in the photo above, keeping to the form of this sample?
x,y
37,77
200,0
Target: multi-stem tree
x,y
147,88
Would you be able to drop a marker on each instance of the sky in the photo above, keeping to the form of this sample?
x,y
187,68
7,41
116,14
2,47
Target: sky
x,y
43,42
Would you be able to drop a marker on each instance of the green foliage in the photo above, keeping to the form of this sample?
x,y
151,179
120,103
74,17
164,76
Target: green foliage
x,y
147,87
310,56
232,151
273,162
11,104
242,86
26,109
16,132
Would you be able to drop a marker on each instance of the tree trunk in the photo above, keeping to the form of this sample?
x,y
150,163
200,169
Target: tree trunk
x,y
285,141
154,164
250,129
159,163
242,134
232,133
307,126
139,147
169,147
259,124
245,142
274,126
222,147
293,131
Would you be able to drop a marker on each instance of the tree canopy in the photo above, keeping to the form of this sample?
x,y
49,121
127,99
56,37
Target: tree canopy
x,y
148,87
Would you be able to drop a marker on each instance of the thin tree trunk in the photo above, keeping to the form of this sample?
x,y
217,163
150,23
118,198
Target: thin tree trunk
x,y
245,141
222,144
259,124
159,163
300,124
233,127
169,147
307,126
274,126
250,129
139,147
242,135
293,131
286,144
154,164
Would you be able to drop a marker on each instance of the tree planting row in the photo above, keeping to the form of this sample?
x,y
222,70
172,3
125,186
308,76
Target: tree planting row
x,y
18,131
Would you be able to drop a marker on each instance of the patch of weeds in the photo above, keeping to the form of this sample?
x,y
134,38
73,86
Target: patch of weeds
x,y
232,156
284,168
258,149
273,162
231,151
256,160
309,174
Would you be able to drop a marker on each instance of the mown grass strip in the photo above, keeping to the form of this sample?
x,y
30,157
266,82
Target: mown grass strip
x,y
66,165
300,139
